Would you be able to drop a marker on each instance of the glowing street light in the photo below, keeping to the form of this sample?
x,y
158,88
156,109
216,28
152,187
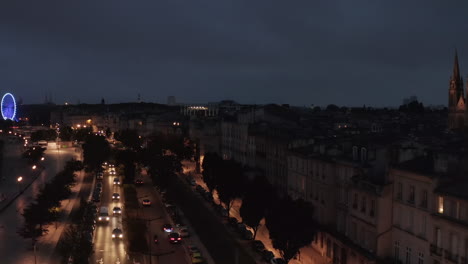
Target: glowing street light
x,y
34,167
19,179
42,158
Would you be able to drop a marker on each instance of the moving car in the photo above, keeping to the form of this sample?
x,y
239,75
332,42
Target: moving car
x,y
146,202
103,216
115,196
138,182
117,233
116,181
117,210
174,238
167,228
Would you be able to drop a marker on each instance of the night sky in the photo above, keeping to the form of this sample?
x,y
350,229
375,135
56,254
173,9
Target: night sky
x,y
251,51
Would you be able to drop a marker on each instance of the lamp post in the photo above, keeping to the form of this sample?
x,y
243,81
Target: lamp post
x,y
19,180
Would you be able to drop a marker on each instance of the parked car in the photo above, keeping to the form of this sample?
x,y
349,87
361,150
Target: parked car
x,y
183,232
247,235
258,245
277,261
232,221
267,255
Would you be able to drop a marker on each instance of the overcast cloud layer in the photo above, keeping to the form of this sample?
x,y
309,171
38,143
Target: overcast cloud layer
x,y
252,51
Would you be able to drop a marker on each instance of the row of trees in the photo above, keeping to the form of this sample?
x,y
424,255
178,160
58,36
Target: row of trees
x,y
65,133
76,243
46,207
290,223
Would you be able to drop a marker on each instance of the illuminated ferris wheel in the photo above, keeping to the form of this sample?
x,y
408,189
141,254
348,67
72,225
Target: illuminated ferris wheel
x,y
8,106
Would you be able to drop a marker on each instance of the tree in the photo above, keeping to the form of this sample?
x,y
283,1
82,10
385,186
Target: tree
x,y
212,164
127,158
66,133
332,108
129,138
284,213
96,150
230,184
255,202
82,133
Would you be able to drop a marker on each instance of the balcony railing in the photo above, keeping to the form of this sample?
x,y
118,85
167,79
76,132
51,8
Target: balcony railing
x,y
450,256
463,260
436,250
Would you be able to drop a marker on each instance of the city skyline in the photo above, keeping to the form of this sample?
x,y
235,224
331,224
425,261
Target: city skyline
x,y
259,52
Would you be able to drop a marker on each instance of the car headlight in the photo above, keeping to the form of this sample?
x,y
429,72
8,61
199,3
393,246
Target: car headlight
x,y
113,235
121,235
100,218
107,218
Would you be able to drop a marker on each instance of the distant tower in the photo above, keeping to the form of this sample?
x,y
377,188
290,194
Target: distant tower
x,y
171,100
456,104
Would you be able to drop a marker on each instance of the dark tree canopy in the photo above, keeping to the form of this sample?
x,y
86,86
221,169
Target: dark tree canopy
x,y
96,150
284,213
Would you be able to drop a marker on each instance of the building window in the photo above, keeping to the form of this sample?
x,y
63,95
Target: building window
x,y
399,191
411,194
355,153
355,201
424,199
363,154
423,226
328,248
396,254
438,237
372,208
363,204
440,205
420,258
408,255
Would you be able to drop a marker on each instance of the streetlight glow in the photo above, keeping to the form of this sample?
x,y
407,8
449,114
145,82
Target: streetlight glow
x,y
34,167
19,179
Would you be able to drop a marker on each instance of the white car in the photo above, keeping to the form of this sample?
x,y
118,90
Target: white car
x,y
117,233
116,181
117,210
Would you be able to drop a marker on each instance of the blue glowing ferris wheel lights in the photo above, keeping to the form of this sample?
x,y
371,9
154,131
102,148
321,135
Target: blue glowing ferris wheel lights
x,y
8,107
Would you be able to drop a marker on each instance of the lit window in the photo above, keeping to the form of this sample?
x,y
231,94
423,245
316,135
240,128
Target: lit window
x,y
441,205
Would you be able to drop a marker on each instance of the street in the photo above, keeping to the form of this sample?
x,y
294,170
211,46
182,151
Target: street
x,y
105,248
13,248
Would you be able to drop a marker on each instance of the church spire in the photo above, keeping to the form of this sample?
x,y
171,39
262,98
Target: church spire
x,y
456,68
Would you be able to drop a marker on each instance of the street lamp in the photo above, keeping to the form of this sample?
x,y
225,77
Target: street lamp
x,y
34,167
19,179
42,158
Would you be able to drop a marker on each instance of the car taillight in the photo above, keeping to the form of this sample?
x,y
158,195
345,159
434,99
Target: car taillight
x,y
179,238
172,238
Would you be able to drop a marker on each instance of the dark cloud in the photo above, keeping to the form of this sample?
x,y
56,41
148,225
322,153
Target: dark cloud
x,y
298,52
